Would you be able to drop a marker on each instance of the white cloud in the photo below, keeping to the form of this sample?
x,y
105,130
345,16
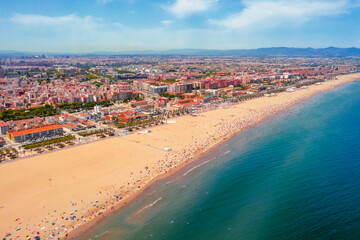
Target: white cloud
x,y
166,22
74,33
272,13
68,21
182,8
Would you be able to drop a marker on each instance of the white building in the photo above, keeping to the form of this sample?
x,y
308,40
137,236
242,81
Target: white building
x,y
97,109
157,89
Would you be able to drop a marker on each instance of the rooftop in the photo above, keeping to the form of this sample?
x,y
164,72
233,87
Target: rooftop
x,y
35,130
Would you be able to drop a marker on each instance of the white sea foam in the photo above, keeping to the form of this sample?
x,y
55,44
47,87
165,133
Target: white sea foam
x,y
150,205
197,167
96,236
152,192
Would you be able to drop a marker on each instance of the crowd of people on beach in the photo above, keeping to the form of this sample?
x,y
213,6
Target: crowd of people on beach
x,y
58,224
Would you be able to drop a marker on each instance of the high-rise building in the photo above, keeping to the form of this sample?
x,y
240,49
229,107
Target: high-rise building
x,y
4,128
97,109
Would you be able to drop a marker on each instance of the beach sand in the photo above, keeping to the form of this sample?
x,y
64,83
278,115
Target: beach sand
x,y
56,193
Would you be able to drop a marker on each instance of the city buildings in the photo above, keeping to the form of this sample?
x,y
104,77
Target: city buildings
x,y
77,93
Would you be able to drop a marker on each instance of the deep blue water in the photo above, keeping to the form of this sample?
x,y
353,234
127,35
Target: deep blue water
x,y
294,176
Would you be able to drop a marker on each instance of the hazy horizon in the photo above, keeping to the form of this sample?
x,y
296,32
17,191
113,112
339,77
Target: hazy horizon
x,y
172,51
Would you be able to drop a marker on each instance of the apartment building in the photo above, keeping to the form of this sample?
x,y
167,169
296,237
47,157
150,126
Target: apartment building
x,y
30,133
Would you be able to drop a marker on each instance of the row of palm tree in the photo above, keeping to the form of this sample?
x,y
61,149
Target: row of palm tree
x,y
176,112
248,97
145,123
93,132
8,154
308,83
160,119
49,142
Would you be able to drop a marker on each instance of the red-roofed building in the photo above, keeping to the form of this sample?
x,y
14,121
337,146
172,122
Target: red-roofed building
x,y
30,133
111,117
127,113
200,99
186,103
139,103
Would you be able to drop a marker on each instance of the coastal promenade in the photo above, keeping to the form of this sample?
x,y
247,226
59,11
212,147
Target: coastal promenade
x,y
54,194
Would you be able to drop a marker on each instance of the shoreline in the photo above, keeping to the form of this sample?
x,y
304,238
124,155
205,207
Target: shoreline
x,y
173,173
189,155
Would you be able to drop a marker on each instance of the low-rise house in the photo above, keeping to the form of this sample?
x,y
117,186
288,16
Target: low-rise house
x,y
111,117
70,126
200,99
139,103
235,93
185,103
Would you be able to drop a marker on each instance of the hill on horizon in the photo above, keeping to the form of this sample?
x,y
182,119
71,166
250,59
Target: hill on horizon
x,y
259,52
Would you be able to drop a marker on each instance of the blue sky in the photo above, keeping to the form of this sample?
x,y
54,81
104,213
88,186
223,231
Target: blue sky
x,y
117,25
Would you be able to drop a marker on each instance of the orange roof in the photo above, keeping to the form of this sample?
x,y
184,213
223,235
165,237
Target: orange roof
x,y
34,130
185,104
185,100
128,112
69,125
2,124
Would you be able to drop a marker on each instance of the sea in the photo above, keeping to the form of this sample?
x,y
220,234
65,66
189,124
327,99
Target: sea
x,y
295,175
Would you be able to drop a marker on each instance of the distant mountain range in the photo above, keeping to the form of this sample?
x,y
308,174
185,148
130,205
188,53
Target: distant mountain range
x,y
259,52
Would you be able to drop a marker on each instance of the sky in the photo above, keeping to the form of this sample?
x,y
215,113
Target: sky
x,y
123,25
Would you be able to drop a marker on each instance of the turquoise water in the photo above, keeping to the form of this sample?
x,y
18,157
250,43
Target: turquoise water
x,y
294,176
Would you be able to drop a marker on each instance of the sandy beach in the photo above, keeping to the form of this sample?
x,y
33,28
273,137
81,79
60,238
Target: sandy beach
x,y
55,195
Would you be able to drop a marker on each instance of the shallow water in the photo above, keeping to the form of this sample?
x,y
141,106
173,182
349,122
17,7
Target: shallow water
x,y
294,176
